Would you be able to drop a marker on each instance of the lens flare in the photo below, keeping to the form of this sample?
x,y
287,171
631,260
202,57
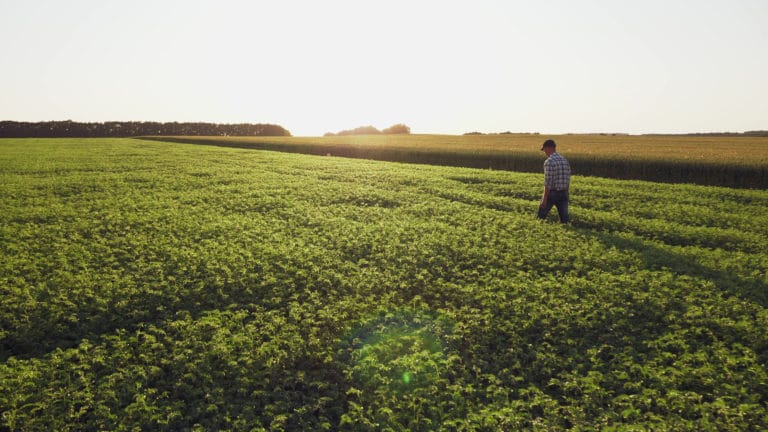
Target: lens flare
x,y
398,352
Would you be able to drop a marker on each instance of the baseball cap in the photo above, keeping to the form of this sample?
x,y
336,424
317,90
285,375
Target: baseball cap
x,y
548,143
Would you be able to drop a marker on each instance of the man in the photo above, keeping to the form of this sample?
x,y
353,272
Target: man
x,y
557,179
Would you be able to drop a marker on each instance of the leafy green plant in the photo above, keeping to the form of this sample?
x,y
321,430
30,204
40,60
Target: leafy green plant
x,y
159,286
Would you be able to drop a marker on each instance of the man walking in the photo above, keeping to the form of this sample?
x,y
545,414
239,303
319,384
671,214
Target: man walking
x,y
557,179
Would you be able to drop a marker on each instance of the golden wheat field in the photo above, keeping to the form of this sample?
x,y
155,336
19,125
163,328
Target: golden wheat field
x,y
740,150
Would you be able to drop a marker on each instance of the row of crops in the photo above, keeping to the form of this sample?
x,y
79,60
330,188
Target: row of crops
x,y
158,286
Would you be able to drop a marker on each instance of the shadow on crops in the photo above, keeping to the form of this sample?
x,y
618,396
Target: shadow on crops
x,y
47,328
656,258
603,331
46,333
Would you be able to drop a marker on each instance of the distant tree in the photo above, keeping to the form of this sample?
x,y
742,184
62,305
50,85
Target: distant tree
x,y
757,133
68,128
397,129
363,130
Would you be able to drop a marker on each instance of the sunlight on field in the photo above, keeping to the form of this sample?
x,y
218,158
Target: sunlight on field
x,y
160,286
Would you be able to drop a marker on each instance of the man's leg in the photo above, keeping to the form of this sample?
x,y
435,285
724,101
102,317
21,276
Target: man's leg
x,y
562,207
544,211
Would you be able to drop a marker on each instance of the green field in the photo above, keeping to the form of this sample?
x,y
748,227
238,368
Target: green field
x,y
161,286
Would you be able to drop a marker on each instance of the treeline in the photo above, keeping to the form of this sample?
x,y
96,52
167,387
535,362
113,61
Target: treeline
x,y
71,129
370,130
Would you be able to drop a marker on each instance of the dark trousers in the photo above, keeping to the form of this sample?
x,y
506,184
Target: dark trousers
x,y
558,199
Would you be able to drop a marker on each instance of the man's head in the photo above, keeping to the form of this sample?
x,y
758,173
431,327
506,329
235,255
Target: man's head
x,y
548,147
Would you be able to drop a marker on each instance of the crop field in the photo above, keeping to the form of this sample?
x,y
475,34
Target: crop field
x,y
732,161
150,285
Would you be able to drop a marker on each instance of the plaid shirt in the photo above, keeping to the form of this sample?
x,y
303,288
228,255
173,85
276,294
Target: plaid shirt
x,y
557,172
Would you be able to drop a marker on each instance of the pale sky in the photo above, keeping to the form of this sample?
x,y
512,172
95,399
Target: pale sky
x,y
316,66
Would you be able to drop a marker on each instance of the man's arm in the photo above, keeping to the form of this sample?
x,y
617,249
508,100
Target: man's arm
x,y
547,181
